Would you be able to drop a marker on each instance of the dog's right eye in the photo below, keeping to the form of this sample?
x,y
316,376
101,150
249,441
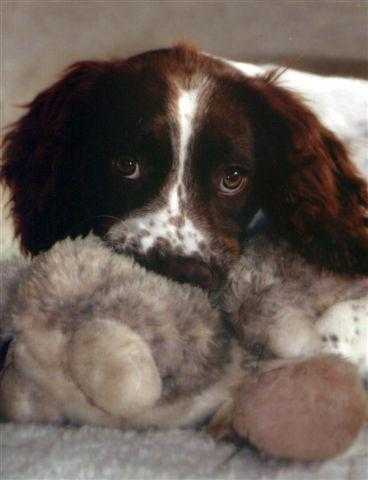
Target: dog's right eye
x,y
233,181
128,167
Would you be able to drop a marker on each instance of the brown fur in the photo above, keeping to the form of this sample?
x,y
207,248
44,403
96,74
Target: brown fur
x,y
313,191
59,160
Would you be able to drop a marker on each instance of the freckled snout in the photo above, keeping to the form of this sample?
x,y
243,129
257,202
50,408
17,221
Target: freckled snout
x,y
161,259
176,251
179,253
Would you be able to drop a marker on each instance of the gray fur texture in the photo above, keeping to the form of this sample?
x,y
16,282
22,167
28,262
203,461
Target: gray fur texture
x,y
100,340
282,306
82,286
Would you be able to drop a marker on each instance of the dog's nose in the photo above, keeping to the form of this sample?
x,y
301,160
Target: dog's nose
x,y
184,270
193,271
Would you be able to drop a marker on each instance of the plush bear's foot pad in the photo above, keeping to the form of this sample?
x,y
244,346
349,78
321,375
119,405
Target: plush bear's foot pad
x,y
307,409
114,368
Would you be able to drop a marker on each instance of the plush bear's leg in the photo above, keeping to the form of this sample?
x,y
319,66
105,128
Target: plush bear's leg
x,y
114,367
302,409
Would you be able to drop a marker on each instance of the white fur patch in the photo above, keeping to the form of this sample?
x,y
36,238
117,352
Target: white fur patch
x,y
186,237
187,107
157,226
293,335
344,330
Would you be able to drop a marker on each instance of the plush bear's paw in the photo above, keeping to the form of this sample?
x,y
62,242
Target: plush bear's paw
x,y
114,367
344,331
293,335
306,409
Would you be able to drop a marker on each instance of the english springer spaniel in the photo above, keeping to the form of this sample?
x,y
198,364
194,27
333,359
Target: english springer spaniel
x,y
170,154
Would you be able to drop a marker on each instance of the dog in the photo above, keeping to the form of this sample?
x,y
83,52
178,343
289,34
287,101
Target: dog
x,y
170,155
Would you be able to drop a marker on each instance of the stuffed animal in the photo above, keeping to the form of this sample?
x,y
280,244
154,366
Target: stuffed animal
x,y
98,339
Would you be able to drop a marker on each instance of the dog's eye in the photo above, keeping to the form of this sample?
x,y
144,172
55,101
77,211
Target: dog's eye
x,y
233,181
128,167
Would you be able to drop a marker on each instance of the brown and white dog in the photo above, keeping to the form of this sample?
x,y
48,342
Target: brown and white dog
x,y
170,154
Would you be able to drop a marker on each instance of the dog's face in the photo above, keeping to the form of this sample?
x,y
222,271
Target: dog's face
x,y
182,169
170,154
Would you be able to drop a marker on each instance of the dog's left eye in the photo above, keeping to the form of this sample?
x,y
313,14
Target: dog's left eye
x,y
233,181
128,167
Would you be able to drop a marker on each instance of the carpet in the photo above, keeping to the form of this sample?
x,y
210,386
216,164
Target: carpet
x,y
46,452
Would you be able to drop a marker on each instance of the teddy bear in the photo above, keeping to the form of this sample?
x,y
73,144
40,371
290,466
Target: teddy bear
x,y
98,339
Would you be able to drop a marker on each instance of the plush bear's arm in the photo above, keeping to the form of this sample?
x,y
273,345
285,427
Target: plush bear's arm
x,y
12,272
270,311
277,303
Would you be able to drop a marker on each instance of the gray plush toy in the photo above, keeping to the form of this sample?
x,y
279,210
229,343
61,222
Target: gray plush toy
x,y
100,340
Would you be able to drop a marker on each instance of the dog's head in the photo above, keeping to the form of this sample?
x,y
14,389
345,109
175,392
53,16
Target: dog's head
x,y
170,154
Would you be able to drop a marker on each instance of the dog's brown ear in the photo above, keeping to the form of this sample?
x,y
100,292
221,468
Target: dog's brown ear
x,y
309,186
49,159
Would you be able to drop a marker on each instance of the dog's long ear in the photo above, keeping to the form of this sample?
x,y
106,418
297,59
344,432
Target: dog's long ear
x,y
311,188
50,159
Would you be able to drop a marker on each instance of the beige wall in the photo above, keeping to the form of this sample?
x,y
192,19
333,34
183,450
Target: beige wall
x,y
41,37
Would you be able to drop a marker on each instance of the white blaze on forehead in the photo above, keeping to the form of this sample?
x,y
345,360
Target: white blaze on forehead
x,y
187,105
187,108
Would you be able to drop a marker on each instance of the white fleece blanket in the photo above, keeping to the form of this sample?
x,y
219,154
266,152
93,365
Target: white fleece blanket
x,y
35,452
46,452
